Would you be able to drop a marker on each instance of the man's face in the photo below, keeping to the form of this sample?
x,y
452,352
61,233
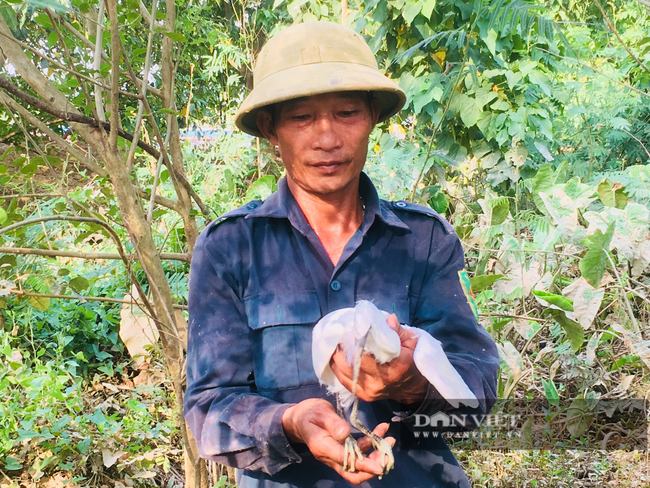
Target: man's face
x,y
322,139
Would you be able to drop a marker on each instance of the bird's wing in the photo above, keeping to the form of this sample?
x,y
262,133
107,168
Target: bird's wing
x,y
432,362
326,336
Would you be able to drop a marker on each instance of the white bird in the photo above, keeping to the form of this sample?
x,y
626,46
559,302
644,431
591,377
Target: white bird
x,y
363,329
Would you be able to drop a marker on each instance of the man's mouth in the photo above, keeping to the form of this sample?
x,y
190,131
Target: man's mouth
x,y
327,165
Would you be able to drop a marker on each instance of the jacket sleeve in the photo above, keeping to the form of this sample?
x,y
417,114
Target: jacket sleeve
x,y
443,309
231,423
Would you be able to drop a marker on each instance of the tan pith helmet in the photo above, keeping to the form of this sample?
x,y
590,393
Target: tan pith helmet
x,y
310,59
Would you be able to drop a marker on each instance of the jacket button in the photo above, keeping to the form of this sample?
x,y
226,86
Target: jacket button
x,y
400,204
251,206
335,285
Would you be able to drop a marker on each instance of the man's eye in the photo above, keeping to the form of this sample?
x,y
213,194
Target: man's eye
x,y
299,117
349,113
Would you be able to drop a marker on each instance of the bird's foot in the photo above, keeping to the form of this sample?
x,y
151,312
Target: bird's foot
x,y
352,452
386,458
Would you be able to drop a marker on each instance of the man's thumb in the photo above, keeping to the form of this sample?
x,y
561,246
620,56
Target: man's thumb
x,y
394,324
340,430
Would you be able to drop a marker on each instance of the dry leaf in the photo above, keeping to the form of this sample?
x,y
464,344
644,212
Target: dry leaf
x,y
586,302
137,330
641,263
626,382
524,328
517,275
512,358
110,458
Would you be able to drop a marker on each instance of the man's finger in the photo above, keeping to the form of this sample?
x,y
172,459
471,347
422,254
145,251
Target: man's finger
x,y
394,324
365,443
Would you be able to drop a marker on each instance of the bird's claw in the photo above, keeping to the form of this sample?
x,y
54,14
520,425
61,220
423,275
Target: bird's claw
x,y
352,452
386,458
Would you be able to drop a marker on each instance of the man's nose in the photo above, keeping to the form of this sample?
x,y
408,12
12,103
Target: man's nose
x,y
327,137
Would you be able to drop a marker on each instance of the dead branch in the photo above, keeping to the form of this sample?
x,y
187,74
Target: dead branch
x,y
177,306
167,256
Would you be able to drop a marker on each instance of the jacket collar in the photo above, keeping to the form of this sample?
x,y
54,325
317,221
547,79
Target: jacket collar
x,y
283,205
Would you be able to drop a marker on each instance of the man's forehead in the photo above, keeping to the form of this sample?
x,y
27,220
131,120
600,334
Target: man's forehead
x,y
333,96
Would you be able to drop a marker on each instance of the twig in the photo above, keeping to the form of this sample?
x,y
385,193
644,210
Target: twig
x,y
637,140
70,117
630,87
111,7
169,256
511,316
628,306
177,306
143,90
29,195
111,232
97,61
532,251
64,145
64,67
612,28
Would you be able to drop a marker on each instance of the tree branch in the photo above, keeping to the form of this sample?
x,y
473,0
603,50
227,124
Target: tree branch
x,y
177,306
104,225
70,117
65,68
116,52
168,256
612,28
62,144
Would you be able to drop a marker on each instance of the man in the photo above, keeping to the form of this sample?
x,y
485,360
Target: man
x,y
264,274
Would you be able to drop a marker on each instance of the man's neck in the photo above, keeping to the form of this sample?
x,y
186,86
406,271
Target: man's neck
x,y
333,217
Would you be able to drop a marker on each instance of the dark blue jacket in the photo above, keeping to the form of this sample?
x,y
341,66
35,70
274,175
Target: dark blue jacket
x,y
260,279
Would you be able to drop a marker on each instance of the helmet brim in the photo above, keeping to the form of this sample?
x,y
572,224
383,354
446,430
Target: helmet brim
x,y
316,79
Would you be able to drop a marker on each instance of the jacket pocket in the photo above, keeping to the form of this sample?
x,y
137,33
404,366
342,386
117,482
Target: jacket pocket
x,y
281,326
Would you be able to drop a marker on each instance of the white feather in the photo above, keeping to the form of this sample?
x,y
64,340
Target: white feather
x,y
347,327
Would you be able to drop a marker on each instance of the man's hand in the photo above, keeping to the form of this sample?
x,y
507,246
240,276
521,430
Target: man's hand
x,y
397,380
315,423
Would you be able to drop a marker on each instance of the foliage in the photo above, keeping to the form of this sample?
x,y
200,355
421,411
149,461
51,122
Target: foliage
x,y
527,126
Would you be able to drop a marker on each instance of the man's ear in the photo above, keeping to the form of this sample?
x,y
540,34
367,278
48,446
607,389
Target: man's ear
x,y
266,127
374,110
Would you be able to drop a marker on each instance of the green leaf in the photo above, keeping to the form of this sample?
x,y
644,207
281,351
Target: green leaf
x,y
411,10
12,464
428,8
79,284
574,332
261,189
499,212
52,4
39,303
592,265
84,445
480,283
439,202
97,417
579,416
551,393
557,300
175,36
469,110
3,216
612,194
9,16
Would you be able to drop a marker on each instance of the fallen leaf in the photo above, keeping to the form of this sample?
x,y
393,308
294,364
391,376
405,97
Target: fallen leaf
x,y
586,301
626,382
110,458
137,330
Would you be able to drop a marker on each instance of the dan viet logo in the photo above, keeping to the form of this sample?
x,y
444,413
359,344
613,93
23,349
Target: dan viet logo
x,y
440,420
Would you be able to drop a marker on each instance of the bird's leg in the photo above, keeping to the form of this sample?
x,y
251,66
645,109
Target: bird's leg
x,y
352,451
386,459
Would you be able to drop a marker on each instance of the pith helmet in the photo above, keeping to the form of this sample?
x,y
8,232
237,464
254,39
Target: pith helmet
x,y
314,58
